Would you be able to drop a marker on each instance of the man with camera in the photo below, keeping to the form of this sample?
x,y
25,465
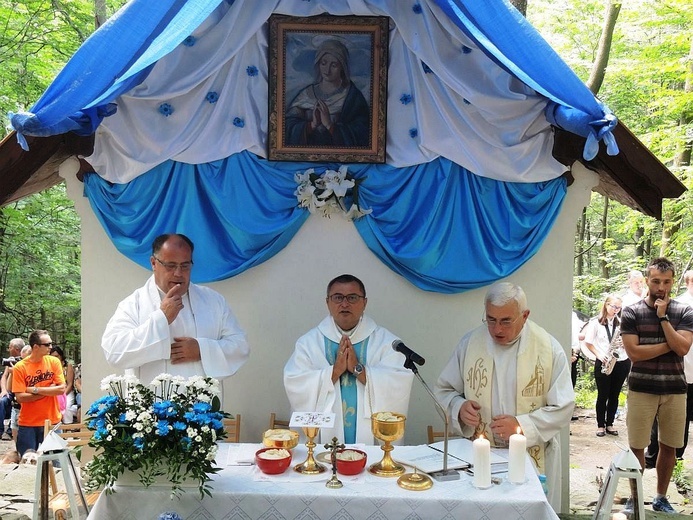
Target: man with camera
x,y
6,396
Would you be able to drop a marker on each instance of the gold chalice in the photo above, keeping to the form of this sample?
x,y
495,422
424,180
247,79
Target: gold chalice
x,y
388,427
310,466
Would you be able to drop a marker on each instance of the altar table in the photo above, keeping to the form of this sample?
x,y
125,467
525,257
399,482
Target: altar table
x,y
241,492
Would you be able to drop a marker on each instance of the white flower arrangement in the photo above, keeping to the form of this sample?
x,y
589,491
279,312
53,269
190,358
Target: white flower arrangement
x,y
168,430
329,192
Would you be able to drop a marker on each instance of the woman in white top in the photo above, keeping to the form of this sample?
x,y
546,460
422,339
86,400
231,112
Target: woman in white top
x,y
599,334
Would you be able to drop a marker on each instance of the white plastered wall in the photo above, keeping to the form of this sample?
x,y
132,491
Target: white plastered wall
x,y
278,301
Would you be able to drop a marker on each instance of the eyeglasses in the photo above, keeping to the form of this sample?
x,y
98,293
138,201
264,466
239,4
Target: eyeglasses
x,y
615,307
172,266
504,323
47,344
339,298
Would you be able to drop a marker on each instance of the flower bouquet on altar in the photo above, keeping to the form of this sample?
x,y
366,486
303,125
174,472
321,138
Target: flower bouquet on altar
x,y
168,430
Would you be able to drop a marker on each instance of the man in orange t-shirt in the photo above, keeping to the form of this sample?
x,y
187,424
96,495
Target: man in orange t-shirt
x,y
37,380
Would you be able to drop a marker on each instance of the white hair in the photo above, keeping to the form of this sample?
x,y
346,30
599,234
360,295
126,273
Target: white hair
x,y
635,275
502,293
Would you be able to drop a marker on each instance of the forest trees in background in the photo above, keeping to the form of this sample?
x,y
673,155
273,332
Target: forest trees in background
x,y
40,284
645,77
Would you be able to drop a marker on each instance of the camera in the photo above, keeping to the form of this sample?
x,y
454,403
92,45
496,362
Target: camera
x,y
10,361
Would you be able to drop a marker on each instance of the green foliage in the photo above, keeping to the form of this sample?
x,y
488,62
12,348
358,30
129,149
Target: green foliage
x,y
585,388
681,478
37,37
645,86
40,286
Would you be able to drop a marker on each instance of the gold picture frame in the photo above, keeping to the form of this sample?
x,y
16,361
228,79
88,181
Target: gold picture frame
x,y
328,88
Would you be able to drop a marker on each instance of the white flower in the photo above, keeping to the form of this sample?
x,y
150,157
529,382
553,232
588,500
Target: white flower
x,y
337,182
355,212
161,378
326,193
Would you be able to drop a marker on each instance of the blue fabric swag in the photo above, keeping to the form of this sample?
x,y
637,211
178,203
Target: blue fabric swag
x,y
438,225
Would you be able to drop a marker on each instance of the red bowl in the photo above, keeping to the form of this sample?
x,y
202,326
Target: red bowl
x,y
272,466
351,467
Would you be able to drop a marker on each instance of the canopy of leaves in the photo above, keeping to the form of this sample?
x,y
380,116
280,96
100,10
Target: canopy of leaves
x,y
645,85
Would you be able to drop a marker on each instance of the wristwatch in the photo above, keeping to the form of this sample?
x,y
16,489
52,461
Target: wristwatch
x,y
663,318
358,369
35,390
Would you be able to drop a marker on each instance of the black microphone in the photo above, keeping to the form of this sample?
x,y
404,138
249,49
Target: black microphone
x,y
398,346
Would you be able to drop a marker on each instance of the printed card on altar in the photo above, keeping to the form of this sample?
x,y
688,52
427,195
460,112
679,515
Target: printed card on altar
x,y
314,419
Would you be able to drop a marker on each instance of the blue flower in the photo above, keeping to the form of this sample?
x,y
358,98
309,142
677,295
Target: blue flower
x,y
138,443
413,132
162,428
179,426
165,109
405,99
426,68
237,121
416,8
466,50
201,407
170,516
189,41
252,71
102,406
212,97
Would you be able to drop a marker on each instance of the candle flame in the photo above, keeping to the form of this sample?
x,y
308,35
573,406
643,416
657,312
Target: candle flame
x,y
519,430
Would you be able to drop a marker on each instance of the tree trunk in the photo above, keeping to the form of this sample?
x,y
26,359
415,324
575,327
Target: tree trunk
x,y
683,157
603,264
601,60
639,244
579,260
100,13
520,5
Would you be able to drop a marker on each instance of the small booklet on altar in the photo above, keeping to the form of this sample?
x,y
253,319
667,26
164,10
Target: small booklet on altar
x,y
426,459
463,449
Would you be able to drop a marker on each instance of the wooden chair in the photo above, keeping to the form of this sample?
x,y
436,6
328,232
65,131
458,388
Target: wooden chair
x,y
435,436
277,423
232,426
76,434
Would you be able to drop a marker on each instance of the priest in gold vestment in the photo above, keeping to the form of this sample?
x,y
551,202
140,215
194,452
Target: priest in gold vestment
x,y
507,376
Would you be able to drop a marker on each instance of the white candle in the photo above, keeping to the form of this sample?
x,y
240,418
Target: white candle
x,y
516,459
482,463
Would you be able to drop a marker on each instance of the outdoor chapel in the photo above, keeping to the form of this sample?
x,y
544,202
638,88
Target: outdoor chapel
x,y
181,109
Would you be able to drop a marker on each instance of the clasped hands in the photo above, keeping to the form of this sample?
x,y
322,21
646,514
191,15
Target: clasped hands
x,y
345,360
502,426
321,116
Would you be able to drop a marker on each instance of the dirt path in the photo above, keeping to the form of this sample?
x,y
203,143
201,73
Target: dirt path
x,y
591,456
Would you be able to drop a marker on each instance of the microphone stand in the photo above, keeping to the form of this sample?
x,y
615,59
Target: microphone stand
x,y
445,474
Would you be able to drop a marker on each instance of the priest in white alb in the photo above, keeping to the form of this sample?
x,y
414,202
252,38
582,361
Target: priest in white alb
x,y
173,326
346,365
511,376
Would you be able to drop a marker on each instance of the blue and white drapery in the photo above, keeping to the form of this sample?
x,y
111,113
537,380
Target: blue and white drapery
x,y
448,231
471,88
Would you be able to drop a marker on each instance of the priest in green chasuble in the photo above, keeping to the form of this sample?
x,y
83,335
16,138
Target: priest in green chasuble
x,y
508,376
346,365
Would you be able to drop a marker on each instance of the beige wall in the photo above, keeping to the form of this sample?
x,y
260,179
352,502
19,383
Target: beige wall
x,y
281,299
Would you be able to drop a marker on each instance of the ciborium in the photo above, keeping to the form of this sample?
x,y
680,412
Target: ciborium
x,y
310,466
387,427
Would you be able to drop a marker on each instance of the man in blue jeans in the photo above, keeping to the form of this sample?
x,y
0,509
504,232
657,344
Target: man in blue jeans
x,y
6,397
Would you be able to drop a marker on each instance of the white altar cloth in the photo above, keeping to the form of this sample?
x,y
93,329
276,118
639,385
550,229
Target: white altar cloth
x,y
238,495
